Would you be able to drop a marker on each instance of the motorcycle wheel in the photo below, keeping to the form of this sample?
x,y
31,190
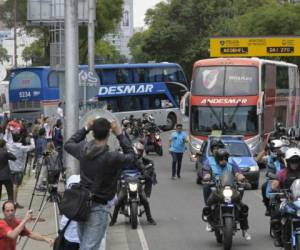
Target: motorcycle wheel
x,y
134,215
159,151
227,233
219,236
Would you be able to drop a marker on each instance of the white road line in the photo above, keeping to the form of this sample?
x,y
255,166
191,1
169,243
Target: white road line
x,y
142,237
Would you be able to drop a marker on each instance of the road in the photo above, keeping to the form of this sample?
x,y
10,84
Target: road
x,y
176,206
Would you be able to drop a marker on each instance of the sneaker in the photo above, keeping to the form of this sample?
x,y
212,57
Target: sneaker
x,y
152,221
208,227
17,205
246,235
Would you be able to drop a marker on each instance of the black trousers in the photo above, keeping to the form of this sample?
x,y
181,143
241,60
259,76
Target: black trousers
x,y
266,200
9,189
176,161
121,200
70,245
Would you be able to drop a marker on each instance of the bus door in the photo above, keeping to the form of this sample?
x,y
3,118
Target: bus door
x,y
269,88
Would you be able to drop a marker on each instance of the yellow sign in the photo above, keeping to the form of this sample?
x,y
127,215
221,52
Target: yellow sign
x,y
254,46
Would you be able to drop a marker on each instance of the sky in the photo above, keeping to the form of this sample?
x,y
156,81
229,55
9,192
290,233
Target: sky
x,y
139,9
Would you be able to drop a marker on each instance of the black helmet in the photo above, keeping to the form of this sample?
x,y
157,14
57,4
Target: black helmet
x,y
216,144
221,154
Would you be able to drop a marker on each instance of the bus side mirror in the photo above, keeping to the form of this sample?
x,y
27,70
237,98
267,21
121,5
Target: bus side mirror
x,y
184,104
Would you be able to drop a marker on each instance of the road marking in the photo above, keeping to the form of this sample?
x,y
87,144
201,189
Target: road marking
x,y
142,237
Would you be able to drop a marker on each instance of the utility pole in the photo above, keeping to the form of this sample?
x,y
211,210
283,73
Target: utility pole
x,y
15,34
71,79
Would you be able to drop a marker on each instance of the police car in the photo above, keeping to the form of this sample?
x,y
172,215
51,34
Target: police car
x,y
239,153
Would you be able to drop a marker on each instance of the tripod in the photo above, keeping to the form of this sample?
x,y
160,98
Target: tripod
x,y
53,197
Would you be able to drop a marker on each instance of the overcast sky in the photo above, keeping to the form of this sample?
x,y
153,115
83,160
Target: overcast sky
x,y
139,9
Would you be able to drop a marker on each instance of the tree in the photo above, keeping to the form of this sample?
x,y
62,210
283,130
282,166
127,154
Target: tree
x,y
108,53
36,53
179,30
3,54
108,15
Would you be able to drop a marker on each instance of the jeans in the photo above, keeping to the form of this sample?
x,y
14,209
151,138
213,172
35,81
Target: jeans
x,y
176,160
92,231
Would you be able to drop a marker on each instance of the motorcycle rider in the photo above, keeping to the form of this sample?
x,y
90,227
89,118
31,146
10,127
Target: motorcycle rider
x,y
216,170
274,160
148,172
126,128
284,180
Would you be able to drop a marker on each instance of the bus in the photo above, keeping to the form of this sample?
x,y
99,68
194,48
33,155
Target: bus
x,y
241,96
127,89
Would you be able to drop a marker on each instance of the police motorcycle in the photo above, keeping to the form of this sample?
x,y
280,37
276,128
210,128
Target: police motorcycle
x,y
153,141
131,182
289,208
224,216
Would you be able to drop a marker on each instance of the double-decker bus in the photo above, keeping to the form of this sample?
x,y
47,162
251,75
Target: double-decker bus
x,y
241,96
128,89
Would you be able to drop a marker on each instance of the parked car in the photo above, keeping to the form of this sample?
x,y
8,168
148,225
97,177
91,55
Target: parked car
x,y
239,153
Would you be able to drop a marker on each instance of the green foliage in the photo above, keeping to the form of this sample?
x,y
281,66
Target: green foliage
x,y
36,53
108,53
7,12
3,54
179,30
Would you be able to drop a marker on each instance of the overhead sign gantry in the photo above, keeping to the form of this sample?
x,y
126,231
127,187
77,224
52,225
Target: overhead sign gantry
x,y
254,46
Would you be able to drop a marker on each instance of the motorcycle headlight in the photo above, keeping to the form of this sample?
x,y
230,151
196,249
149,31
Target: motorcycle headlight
x,y
133,187
157,136
254,168
227,192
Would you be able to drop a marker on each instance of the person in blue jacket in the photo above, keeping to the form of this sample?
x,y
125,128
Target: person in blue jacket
x,y
177,148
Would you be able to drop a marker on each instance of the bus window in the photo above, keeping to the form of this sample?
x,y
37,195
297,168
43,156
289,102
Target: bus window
x,y
209,81
123,76
109,76
159,102
140,76
263,77
241,80
282,81
156,75
177,91
53,79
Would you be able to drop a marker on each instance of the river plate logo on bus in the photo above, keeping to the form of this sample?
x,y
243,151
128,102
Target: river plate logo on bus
x,y
210,77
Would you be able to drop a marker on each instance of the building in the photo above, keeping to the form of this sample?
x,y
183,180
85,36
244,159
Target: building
x,y
121,37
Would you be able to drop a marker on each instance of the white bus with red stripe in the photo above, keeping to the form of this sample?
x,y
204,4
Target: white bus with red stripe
x,y
241,96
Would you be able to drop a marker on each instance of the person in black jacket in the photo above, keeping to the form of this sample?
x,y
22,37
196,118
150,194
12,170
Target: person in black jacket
x,y
5,171
99,172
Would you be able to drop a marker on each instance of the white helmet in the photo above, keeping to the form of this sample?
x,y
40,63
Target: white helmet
x,y
276,144
291,153
295,188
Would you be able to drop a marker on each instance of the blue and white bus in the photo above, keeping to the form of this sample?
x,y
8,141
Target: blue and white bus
x,y
127,89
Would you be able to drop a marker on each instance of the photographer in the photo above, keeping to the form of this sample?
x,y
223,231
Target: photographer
x,y
11,228
101,169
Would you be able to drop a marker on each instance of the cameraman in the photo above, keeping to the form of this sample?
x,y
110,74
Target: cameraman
x,y
99,172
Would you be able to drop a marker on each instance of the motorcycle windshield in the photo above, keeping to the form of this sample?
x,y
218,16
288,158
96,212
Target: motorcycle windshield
x,y
227,179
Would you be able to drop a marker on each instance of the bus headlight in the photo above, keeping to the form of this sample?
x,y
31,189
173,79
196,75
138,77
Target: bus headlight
x,y
133,187
254,168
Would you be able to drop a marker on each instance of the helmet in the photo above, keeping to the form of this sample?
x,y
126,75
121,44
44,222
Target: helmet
x,y
292,153
150,118
221,154
216,143
276,144
138,148
125,122
295,188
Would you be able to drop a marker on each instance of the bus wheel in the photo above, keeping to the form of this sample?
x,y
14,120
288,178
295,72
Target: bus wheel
x,y
171,122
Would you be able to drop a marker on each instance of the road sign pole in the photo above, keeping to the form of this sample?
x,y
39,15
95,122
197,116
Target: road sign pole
x,y
71,79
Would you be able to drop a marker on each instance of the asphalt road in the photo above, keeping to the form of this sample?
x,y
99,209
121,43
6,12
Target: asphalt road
x,y
176,206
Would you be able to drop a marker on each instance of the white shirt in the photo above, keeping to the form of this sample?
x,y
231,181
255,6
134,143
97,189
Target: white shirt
x,y
60,112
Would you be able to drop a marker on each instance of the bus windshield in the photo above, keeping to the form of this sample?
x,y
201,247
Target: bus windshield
x,y
230,120
225,81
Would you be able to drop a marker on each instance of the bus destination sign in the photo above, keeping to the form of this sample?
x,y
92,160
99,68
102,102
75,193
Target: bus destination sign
x,y
254,46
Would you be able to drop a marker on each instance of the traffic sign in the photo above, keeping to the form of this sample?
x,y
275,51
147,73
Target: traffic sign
x,y
3,73
254,46
88,78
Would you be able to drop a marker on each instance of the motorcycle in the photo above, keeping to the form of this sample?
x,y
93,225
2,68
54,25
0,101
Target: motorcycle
x,y
289,209
225,213
153,140
132,182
